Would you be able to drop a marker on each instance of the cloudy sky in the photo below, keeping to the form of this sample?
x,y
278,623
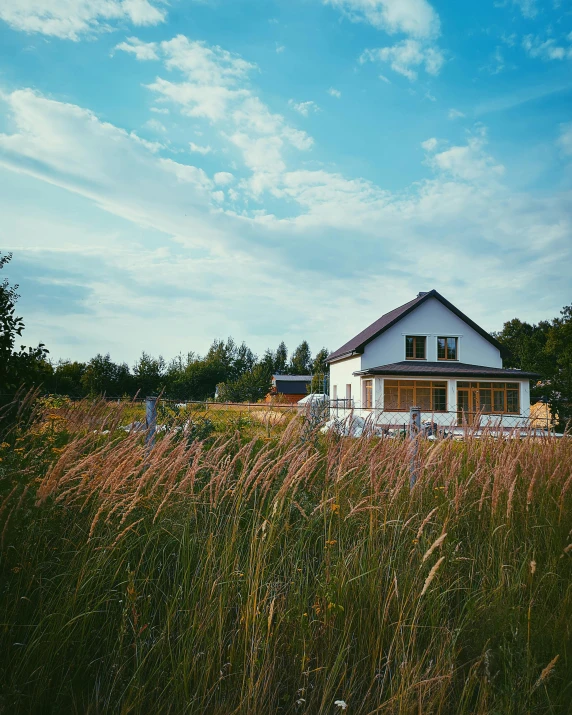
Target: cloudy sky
x,y
171,172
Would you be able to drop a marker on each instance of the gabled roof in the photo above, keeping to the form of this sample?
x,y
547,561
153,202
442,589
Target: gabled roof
x,y
356,345
411,368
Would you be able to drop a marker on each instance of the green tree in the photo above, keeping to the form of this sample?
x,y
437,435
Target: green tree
x,y
251,386
320,370
301,360
67,378
23,366
559,348
281,359
148,375
104,377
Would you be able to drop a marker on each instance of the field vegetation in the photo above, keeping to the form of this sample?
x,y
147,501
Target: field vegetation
x,y
243,566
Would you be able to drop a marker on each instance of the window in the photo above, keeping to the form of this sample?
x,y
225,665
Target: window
x,y
447,349
489,397
348,393
415,347
368,394
400,395
335,392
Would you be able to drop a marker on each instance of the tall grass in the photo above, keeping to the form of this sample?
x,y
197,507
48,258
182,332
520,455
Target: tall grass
x,y
256,574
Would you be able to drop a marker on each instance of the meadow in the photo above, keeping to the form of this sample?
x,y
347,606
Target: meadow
x,y
252,566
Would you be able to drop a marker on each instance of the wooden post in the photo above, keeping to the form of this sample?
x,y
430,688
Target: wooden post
x,y
150,421
414,430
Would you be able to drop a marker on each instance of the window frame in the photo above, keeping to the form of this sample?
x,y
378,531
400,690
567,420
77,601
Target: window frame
x,y
446,338
415,385
494,389
415,338
367,404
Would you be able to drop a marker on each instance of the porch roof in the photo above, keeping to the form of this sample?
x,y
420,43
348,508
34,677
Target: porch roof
x,y
412,368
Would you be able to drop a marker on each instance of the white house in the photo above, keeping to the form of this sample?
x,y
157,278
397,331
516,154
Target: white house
x,y
428,354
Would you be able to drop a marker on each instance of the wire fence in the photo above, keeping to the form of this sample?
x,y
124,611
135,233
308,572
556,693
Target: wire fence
x,y
319,413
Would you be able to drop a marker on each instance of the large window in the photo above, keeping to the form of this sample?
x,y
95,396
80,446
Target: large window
x,y
415,347
400,395
447,349
368,394
490,397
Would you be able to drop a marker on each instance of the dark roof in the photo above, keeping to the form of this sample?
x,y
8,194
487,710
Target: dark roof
x,y
356,345
291,386
443,369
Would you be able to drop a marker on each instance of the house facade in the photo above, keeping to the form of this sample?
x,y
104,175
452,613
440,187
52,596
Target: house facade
x,y
428,354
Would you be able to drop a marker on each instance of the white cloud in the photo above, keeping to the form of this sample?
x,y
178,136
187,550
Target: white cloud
x,y
279,49
455,114
216,86
565,138
334,93
223,178
545,50
72,19
304,108
469,162
160,110
221,266
205,65
141,50
155,125
527,7
430,144
199,149
412,17
406,57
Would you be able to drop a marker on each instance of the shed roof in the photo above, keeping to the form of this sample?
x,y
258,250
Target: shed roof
x,y
356,345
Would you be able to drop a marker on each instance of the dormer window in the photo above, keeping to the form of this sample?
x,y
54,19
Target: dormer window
x,y
447,349
415,347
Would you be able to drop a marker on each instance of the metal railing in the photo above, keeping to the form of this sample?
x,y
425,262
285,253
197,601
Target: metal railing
x,y
455,420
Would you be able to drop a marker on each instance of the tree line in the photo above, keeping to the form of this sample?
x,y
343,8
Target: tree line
x,y
229,371
234,373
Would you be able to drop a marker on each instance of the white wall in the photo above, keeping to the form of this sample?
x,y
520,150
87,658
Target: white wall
x,y
341,374
433,319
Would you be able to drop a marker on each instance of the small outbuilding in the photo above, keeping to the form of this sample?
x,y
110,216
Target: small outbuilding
x,y
289,389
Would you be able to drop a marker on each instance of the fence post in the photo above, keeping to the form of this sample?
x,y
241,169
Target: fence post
x,y
150,420
414,430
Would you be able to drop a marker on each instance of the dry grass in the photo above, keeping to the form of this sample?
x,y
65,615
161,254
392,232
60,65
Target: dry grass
x,y
257,573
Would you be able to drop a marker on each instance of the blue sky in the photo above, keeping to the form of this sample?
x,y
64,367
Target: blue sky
x,y
172,172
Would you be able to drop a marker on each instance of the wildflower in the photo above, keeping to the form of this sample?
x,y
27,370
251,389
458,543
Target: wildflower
x,y
336,508
532,567
341,704
415,541
300,701
331,542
